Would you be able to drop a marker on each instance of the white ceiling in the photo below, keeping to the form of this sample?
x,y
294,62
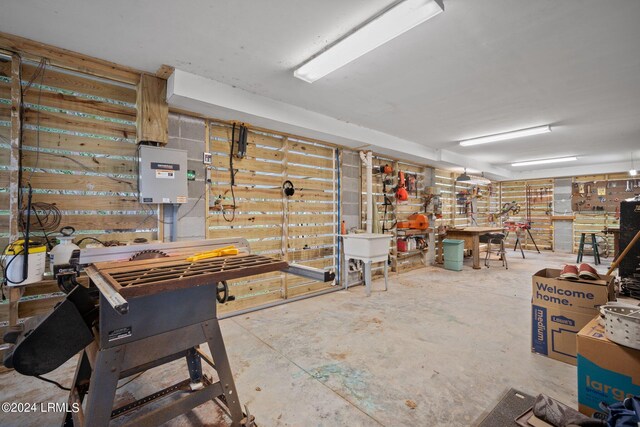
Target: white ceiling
x,y
479,68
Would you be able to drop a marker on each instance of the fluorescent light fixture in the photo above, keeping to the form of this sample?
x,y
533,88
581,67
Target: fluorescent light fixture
x,y
506,135
545,161
384,27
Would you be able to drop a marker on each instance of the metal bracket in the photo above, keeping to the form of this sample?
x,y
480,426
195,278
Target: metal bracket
x,y
310,272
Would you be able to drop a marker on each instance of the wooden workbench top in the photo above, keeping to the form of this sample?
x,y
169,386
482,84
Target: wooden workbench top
x,y
473,230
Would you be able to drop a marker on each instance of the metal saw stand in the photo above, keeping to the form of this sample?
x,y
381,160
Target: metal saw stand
x,y
116,354
519,243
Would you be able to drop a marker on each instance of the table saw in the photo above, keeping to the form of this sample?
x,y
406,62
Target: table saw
x,y
145,306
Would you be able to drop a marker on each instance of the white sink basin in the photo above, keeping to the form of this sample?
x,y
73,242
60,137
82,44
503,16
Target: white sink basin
x,y
367,246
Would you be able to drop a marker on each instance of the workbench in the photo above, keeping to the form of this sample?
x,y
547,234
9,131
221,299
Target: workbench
x,y
471,237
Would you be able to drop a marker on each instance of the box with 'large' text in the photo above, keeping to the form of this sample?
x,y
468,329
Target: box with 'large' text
x,y
607,372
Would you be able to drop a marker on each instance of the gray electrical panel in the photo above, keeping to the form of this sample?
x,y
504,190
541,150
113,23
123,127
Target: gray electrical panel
x,y
162,175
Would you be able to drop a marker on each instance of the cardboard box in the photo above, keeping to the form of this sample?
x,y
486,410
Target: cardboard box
x,y
560,308
607,372
575,295
554,330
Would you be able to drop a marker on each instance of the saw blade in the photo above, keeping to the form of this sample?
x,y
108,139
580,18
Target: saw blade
x,y
148,254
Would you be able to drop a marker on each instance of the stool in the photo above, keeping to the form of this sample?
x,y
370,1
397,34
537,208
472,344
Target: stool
x,y
497,238
594,246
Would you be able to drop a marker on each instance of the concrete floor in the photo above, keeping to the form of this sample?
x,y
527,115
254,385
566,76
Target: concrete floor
x,y
438,349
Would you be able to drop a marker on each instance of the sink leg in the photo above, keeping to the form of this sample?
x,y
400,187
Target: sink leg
x,y
367,277
386,269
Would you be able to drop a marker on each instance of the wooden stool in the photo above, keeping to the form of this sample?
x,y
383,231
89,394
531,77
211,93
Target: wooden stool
x,y
594,246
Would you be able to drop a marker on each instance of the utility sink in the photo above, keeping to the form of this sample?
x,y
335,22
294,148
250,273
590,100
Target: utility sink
x,y
368,247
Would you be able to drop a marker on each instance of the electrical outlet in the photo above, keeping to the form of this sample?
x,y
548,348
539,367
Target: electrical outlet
x,y
206,158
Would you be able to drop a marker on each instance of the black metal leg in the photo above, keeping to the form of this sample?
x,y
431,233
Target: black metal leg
x,y
580,248
194,364
504,255
532,239
596,252
486,258
518,243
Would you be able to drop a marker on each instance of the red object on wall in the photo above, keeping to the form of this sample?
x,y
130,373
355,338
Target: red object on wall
x,y
403,245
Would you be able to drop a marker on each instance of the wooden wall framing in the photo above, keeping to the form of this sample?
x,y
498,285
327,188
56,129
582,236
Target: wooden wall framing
x,y
540,204
77,149
301,228
453,201
589,221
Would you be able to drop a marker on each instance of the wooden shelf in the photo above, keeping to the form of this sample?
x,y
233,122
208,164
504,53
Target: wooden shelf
x,y
412,232
412,253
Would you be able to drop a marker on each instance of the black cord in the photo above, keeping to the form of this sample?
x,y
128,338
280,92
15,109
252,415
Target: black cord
x,y
44,68
90,238
6,268
132,379
192,207
232,178
60,386
2,268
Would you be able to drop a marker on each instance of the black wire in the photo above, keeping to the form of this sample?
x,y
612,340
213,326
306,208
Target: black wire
x,y
132,379
2,268
232,178
23,91
60,386
44,68
90,238
194,205
48,217
6,267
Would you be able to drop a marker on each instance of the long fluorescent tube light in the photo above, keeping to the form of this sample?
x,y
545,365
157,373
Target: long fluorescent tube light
x,y
545,161
376,32
506,135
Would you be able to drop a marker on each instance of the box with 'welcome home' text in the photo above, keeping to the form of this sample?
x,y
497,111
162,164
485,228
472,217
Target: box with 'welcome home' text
x,y
560,308
549,290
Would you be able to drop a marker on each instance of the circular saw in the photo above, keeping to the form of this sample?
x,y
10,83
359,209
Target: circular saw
x,y
148,254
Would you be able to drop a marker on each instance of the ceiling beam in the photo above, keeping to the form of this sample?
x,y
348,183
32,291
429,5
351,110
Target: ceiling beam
x,y
64,58
571,171
190,92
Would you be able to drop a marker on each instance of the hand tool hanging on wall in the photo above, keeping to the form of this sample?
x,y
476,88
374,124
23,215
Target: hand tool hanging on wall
x,y
401,191
387,202
232,174
386,169
411,184
240,151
